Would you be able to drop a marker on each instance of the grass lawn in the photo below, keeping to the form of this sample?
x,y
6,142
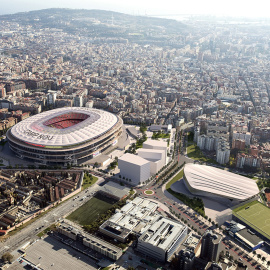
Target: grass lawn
x,y
157,135
50,228
149,192
90,211
256,215
195,203
176,178
194,152
88,181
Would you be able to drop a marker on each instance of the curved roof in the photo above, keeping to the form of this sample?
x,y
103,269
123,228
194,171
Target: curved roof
x,y
35,130
220,182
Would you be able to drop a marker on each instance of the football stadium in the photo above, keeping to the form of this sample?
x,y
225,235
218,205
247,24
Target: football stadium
x,y
218,184
69,135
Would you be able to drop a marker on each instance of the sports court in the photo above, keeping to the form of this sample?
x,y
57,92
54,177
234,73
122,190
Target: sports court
x,y
256,215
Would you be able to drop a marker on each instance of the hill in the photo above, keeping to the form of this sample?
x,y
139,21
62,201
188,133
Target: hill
x,y
99,23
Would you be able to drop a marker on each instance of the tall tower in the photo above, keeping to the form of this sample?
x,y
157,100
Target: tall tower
x,y
210,246
186,259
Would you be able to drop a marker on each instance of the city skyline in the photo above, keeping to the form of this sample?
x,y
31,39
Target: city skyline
x,y
172,9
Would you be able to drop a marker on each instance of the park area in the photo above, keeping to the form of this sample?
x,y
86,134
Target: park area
x,y
91,210
194,152
256,215
88,180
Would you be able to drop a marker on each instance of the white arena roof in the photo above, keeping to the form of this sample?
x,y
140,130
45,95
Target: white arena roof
x,y
79,124
209,179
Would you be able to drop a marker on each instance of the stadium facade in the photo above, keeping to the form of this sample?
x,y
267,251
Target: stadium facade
x,y
68,135
218,184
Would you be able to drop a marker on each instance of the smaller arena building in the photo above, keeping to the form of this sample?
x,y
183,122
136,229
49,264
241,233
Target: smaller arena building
x,y
216,183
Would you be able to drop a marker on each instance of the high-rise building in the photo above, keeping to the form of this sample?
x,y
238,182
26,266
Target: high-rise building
x,y
210,248
78,101
51,98
2,90
201,141
186,259
223,152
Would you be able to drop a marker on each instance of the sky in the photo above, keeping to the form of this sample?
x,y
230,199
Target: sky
x,y
235,8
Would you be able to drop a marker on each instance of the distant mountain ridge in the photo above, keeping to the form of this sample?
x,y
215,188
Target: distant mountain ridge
x,y
98,23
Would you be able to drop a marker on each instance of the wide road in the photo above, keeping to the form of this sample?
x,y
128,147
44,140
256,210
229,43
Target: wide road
x,y
29,233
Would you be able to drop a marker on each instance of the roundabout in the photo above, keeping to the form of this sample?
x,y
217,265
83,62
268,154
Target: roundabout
x,y
149,192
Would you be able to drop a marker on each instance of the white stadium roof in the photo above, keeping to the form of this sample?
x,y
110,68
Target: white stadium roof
x,y
219,182
33,130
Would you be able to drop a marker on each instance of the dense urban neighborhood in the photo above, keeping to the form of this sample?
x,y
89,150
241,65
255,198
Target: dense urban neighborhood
x,y
134,142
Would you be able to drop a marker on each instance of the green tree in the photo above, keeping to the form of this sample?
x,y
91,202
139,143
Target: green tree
x,y
7,257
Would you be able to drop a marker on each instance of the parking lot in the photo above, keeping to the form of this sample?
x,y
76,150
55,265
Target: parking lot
x,y
49,253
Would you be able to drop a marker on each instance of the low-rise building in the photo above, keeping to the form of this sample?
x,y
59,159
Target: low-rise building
x,y
162,239
114,190
91,241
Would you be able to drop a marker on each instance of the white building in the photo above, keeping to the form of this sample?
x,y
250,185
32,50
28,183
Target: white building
x,y
51,97
156,158
162,238
201,141
223,152
216,183
158,145
210,143
197,131
78,101
135,168
89,104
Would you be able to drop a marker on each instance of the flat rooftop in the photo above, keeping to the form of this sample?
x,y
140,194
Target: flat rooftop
x,y
251,238
155,143
163,232
136,160
115,189
49,251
